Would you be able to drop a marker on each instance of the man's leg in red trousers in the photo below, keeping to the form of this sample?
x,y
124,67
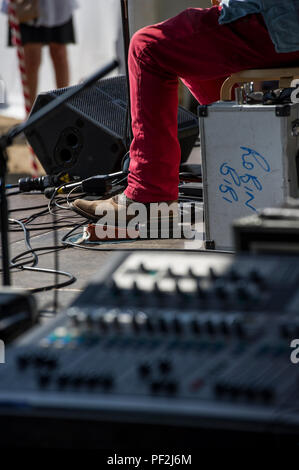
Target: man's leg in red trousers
x,y
194,47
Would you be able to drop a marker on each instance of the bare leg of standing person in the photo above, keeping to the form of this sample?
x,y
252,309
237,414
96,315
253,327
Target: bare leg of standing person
x,y
59,58
32,53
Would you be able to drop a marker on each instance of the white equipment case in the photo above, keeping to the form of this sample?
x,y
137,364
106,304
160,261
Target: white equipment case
x,y
250,161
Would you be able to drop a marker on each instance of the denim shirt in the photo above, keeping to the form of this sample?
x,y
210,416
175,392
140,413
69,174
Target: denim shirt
x,y
281,18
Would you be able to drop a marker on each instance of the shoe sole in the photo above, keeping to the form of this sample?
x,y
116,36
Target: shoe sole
x,y
83,213
141,234
96,219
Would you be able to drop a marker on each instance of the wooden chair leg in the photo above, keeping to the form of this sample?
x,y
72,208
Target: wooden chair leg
x,y
227,86
226,89
285,82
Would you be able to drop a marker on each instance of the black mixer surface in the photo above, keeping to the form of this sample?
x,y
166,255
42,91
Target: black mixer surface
x,y
164,341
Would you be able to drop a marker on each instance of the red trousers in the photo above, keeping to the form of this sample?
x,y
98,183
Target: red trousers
x,y
194,47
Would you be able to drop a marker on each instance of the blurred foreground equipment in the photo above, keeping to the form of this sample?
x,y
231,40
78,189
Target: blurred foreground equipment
x,y
172,348
18,313
271,230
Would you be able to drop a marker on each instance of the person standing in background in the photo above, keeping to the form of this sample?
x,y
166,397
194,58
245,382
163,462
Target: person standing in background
x,y
53,27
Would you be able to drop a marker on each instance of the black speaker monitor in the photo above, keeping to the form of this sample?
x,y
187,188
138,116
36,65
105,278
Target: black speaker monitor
x,y
88,136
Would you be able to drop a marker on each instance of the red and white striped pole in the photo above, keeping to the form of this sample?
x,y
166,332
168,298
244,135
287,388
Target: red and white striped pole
x,y
17,41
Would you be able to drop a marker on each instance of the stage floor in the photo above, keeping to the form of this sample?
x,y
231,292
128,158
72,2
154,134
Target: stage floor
x,y
83,264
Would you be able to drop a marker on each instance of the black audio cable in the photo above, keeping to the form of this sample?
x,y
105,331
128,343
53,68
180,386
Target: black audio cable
x,y
32,224
30,208
43,182
99,185
71,277
33,260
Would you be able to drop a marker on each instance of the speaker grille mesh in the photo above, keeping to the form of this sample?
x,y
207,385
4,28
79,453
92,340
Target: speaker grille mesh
x,y
115,87
98,116
101,108
106,104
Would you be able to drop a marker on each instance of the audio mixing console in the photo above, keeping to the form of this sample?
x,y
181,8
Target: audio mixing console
x,y
184,341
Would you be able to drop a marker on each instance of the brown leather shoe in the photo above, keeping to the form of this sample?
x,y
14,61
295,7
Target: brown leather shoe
x,y
93,210
122,209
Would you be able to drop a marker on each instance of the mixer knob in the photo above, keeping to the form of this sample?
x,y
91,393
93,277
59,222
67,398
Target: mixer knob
x,y
165,366
157,291
103,324
234,275
210,327
114,289
267,394
225,328
285,331
156,386
163,325
178,288
212,274
200,292
81,318
177,324
144,369
90,320
220,389
256,277
243,293
185,289
170,273
116,323
63,380
221,292
73,316
234,391
171,387
107,381
135,289
44,379
250,393
77,380
149,325
23,361
142,269
240,329
51,363
191,273
39,361
92,381
136,324
195,326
